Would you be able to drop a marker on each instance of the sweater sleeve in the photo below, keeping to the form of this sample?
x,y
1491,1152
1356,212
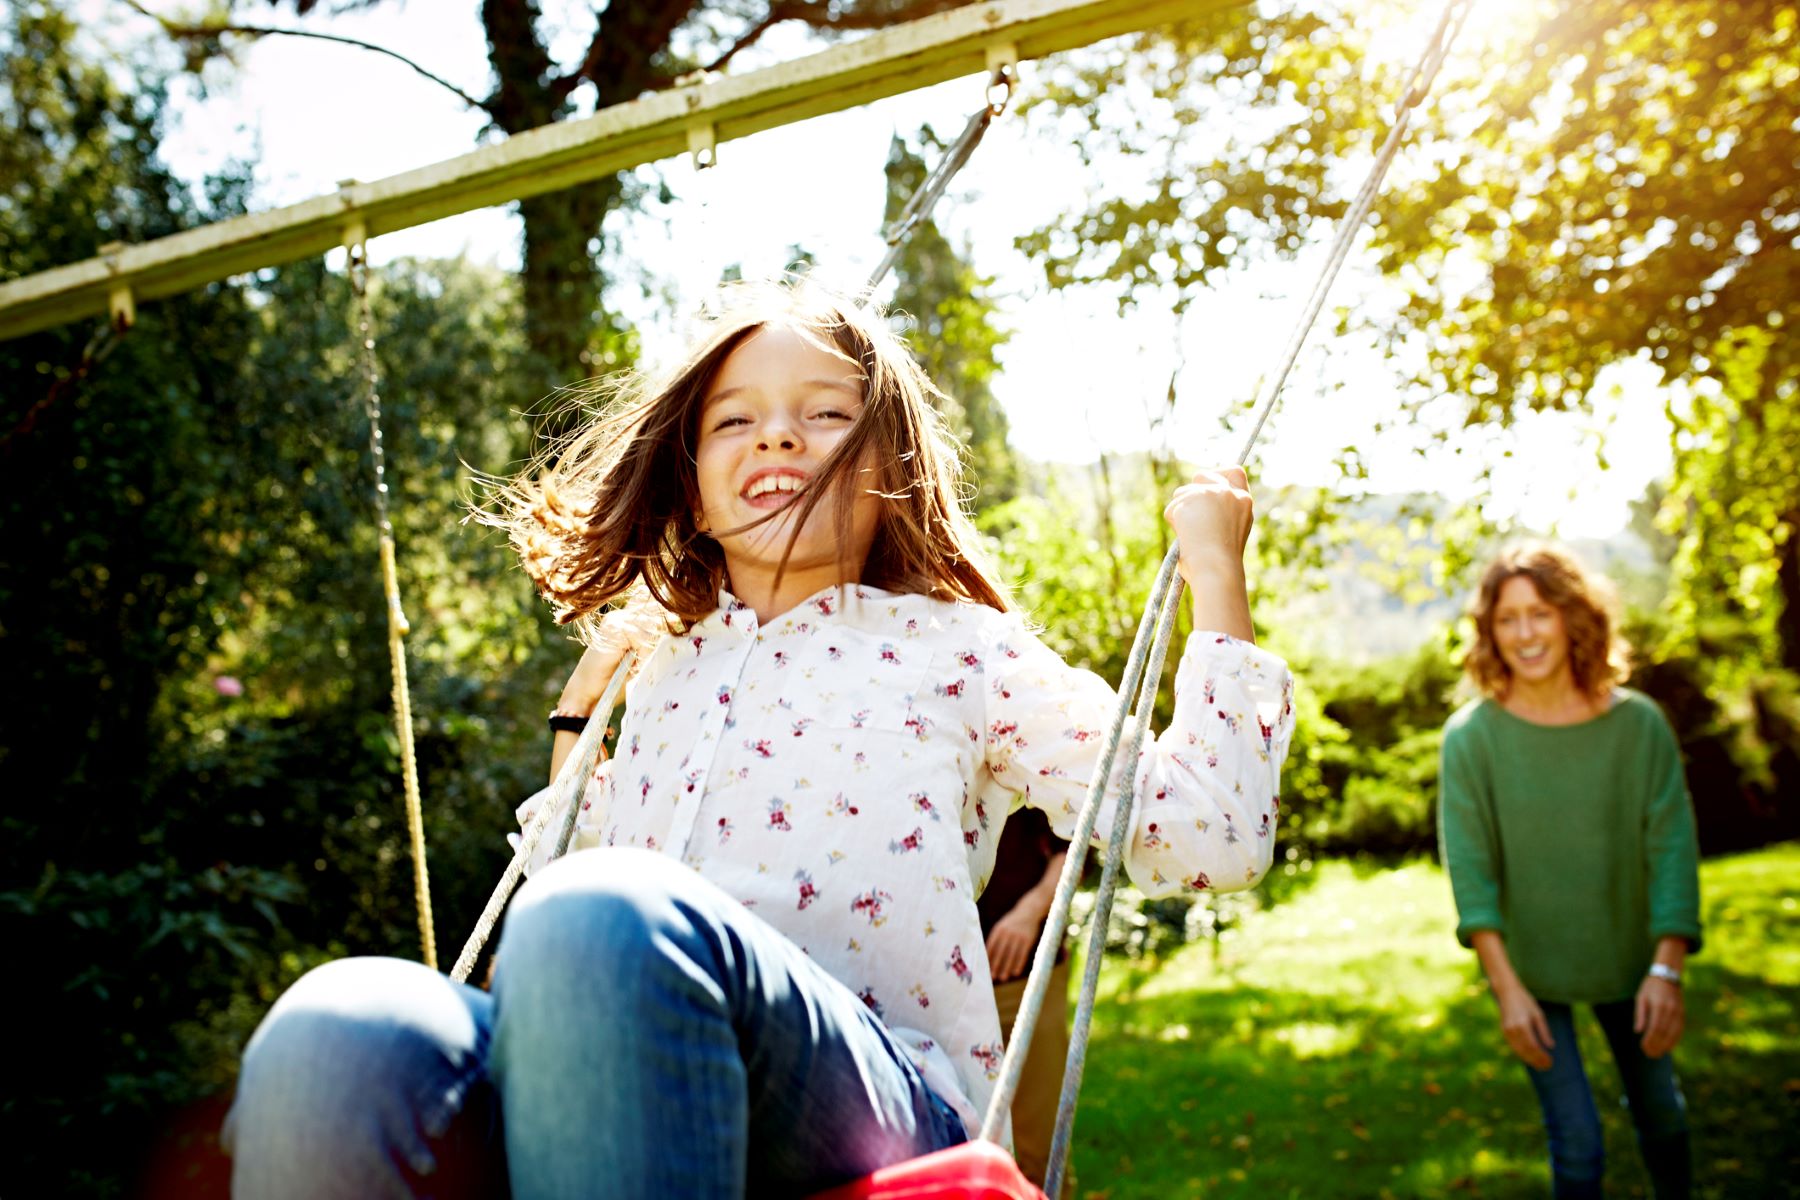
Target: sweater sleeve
x,y
1468,839
1671,843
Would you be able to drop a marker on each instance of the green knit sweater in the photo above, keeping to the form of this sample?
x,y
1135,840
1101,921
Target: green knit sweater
x,y
1574,842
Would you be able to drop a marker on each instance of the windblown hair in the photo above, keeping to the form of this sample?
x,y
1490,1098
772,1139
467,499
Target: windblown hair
x,y
614,506
1598,656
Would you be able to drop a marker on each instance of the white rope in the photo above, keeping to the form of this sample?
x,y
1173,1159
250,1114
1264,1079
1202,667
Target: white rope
x,y
570,783
1164,606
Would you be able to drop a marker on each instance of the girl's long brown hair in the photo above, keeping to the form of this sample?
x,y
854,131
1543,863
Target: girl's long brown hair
x,y
614,506
1598,655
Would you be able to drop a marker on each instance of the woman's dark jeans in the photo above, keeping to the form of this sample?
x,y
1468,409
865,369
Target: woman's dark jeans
x,y
1577,1154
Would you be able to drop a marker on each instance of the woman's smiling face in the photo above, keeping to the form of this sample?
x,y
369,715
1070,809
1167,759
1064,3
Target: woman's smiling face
x,y
778,406
1529,632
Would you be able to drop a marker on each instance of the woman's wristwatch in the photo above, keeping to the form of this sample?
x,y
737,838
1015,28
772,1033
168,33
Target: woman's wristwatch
x,y
1665,972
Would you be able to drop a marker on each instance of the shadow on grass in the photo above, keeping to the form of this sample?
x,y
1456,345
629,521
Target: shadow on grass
x,y
1233,1090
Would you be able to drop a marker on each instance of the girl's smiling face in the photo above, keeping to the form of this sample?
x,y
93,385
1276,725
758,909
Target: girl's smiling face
x,y
1529,632
777,407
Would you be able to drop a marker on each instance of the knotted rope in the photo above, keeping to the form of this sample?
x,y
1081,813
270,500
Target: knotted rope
x,y
398,626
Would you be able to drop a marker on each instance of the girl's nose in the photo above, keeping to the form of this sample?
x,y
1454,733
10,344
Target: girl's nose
x,y
778,432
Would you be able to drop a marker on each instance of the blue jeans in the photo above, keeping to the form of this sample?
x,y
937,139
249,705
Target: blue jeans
x,y
646,1036
1577,1153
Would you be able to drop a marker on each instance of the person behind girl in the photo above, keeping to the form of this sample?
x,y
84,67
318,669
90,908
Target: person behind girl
x,y
1014,907
772,978
1569,838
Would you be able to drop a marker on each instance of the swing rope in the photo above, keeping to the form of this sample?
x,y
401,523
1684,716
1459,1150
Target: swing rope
x,y
357,246
1164,605
565,792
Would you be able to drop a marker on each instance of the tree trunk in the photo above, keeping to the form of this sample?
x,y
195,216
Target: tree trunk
x,y
562,278
563,282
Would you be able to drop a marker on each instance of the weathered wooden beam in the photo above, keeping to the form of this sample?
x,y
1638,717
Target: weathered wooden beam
x,y
963,41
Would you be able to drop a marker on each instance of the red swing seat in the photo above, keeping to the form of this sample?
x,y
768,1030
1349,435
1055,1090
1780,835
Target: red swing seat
x,y
971,1171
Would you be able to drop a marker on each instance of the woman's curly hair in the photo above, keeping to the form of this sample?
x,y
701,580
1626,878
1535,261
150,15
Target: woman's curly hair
x,y
612,508
1598,655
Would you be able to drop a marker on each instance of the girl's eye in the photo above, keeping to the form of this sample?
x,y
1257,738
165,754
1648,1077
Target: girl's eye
x,y
835,414
727,422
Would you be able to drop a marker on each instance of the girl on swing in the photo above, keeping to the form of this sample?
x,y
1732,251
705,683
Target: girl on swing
x,y
770,976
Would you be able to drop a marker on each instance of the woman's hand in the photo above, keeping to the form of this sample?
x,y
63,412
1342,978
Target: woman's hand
x,y
1660,1015
1526,1030
1010,944
1212,517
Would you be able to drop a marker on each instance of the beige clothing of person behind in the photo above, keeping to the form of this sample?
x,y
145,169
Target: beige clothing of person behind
x,y
1040,1083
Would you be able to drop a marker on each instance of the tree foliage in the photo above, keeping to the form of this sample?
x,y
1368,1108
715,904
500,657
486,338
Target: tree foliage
x,y
1623,181
953,328
205,768
634,49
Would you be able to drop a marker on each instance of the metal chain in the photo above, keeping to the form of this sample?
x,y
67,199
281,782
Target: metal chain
x,y
398,626
104,341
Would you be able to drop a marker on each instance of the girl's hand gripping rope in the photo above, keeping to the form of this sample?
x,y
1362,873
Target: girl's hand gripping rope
x,y
1212,517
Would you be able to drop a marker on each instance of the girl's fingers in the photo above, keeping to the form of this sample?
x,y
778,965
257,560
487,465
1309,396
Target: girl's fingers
x,y
1640,1013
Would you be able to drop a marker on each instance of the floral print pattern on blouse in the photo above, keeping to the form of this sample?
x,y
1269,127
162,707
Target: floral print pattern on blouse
x,y
844,771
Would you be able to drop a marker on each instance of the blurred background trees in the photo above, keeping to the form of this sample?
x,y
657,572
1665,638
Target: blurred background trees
x,y
203,778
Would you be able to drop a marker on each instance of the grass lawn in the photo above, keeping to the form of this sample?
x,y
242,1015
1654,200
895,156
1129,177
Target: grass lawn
x,y
1342,1044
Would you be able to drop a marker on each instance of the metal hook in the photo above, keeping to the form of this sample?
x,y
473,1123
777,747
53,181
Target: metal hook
x,y
703,145
1004,61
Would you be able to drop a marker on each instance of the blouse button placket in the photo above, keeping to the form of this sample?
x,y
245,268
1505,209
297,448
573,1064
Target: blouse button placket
x,y
730,666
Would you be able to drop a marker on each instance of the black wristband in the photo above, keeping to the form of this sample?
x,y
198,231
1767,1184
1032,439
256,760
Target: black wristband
x,y
561,722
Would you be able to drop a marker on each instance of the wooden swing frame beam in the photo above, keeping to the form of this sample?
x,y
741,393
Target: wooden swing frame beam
x,y
691,118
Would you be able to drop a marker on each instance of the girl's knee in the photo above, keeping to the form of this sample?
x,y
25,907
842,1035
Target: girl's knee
x,y
621,928
344,1013
598,902
353,1051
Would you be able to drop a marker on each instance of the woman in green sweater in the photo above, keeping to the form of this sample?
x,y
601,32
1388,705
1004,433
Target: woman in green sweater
x,y
1566,828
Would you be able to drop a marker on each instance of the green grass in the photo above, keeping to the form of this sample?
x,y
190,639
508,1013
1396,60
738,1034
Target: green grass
x,y
1342,1044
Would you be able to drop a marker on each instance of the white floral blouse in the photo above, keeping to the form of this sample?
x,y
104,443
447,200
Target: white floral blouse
x,y
844,772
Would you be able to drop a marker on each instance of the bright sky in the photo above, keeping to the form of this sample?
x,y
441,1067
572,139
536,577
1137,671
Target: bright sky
x,y
1077,378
